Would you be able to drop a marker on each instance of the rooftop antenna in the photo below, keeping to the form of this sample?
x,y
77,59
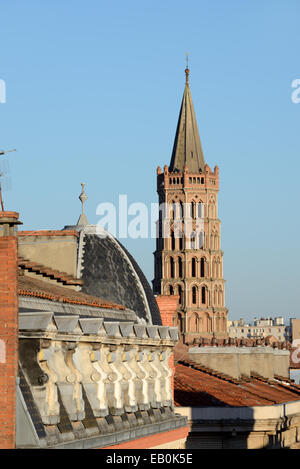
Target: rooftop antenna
x,y
3,172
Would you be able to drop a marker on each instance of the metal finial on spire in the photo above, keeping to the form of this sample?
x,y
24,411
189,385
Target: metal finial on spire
x,y
187,70
83,197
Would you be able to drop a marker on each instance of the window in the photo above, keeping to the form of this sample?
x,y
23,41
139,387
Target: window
x,y
194,267
194,295
201,239
202,265
193,241
181,241
179,267
172,272
180,294
203,295
172,241
200,210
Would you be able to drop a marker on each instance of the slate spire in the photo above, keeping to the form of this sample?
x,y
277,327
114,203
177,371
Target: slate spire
x,y
187,149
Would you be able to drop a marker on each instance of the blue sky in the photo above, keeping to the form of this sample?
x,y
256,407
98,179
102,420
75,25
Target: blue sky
x,y
93,91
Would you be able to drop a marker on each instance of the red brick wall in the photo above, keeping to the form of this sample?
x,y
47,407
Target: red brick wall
x,y
8,329
167,305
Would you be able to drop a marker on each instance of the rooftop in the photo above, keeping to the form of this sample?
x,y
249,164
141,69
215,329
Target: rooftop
x,y
34,287
198,386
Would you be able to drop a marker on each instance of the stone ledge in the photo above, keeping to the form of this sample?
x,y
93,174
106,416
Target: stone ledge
x,y
47,323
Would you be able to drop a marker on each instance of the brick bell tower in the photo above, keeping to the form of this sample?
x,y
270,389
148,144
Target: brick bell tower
x,y
188,260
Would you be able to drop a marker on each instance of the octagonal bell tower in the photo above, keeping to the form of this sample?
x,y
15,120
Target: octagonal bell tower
x,y
188,259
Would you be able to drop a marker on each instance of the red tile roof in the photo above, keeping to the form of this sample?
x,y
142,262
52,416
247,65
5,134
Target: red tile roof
x,y
29,286
198,386
39,269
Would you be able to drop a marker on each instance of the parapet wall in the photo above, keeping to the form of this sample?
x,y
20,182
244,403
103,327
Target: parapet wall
x,y
238,361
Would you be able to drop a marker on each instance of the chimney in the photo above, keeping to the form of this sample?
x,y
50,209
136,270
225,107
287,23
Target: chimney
x,y
167,305
8,327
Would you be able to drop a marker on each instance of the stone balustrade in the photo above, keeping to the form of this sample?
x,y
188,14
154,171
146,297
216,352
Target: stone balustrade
x,y
77,365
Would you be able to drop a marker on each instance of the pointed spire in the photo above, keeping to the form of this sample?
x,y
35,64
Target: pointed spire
x,y
187,149
83,197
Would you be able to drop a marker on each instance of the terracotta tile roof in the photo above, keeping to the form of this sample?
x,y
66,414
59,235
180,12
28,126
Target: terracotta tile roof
x,y
29,286
40,269
198,386
49,233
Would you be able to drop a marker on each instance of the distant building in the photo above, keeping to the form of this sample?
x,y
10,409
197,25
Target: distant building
x,y
261,328
237,397
295,329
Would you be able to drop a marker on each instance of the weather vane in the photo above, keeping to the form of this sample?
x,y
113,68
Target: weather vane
x,y
2,173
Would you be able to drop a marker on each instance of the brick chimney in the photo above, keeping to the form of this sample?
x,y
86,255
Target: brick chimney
x,y
167,305
8,327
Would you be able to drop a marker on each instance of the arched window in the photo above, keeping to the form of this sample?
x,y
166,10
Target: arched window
x,y
180,294
208,323
194,267
201,240
220,296
172,270
203,295
218,268
180,241
193,209
193,240
172,210
216,241
200,210
223,322
173,246
171,290
194,295
215,296
194,323
202,267
180,210
179,267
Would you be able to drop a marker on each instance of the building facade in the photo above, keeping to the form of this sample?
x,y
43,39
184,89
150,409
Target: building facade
x,y
261,328
188,256
82,368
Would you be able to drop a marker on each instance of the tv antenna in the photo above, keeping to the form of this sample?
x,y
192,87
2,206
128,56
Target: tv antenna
x,y
4,170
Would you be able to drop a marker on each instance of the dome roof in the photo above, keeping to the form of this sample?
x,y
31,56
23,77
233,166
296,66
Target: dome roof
x,y
110,272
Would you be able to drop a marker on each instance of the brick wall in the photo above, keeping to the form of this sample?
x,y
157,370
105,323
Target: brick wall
x,y
8,327
167,305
